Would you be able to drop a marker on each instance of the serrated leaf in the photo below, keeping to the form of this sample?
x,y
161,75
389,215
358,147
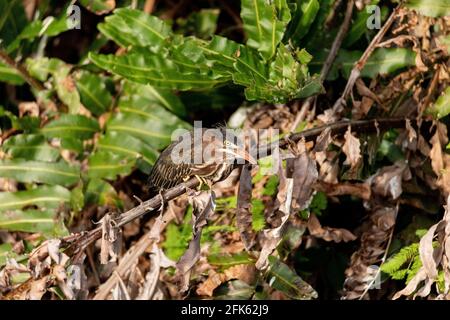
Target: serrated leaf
x,y
142,66
441,107
43,197
104,164
42,221
30,147
35,171
281,277
10,75
264,24
71,126
93,92
435,8
133,27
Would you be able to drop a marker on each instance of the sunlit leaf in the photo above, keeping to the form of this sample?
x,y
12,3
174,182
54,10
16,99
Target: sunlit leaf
x,y
104,164
35,171
30,147
435,8
441,107
134,27
264,24
10,75
42,221
71,126
93,92
43,197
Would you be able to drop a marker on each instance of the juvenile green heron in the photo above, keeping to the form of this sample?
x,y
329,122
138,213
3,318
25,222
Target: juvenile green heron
x,y
208,154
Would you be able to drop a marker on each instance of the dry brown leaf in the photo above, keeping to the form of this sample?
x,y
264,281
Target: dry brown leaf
x,y
203,203
351,148
243,211
388,180
327,233
304,175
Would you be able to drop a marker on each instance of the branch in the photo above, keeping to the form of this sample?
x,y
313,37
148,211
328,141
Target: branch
x,y
35,84
356,71
77,243
329,61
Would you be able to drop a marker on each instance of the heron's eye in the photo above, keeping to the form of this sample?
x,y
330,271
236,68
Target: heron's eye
x,y
227,143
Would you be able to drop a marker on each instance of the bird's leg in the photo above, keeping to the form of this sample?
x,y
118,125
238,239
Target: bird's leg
x,y
202,182
161,208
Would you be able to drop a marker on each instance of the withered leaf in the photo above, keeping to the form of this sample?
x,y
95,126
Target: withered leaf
x,y
203,203
244,206
327,233
351,148
304,175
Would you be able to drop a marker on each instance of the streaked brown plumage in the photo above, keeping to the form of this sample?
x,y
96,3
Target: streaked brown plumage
x,y
166,173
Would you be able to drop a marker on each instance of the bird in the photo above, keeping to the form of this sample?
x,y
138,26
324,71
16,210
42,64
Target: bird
x,y
209,154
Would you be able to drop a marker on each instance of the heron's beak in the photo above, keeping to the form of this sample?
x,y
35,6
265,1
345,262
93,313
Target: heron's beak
x,y
241,153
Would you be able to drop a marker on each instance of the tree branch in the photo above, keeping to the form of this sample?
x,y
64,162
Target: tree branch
x,y
77,243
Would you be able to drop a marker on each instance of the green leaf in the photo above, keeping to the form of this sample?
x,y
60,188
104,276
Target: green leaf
x,y
66,88
102,193
43,197
387,60
140,65
5,253
93,93
202,23
281,277
98,6
34,171
41,68
228,260
127,145
133,27
12,20
359,25
264,24
109,165
435,8
441,107
30,147
152,124
141,95
307,11
32,221
71,126
258,218
10,75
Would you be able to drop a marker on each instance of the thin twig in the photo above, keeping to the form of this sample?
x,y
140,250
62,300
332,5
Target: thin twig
x,y
328,62
35,84
356,71
22,71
